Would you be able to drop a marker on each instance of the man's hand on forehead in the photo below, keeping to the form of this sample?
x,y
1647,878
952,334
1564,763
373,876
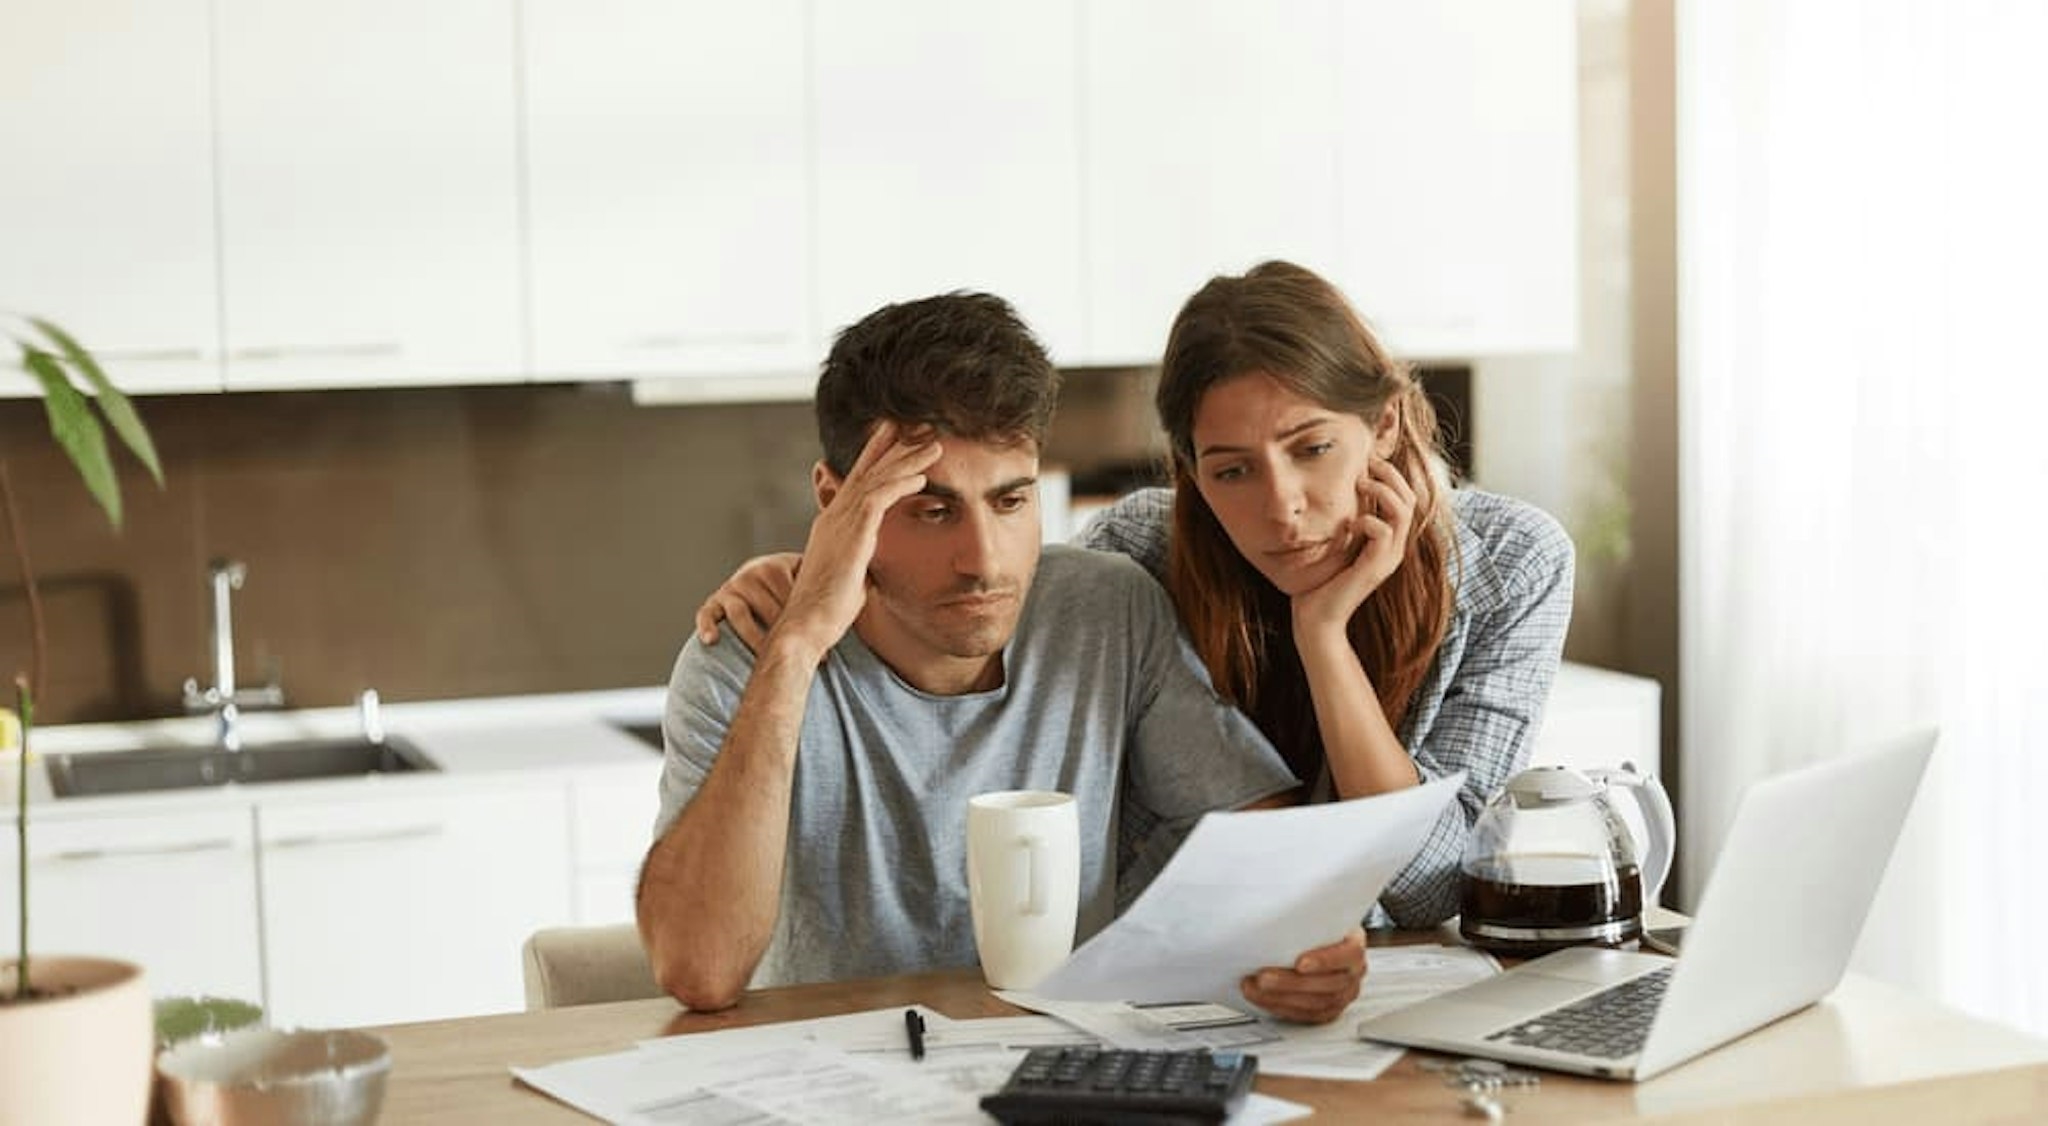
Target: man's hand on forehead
x,y
831,586
909,433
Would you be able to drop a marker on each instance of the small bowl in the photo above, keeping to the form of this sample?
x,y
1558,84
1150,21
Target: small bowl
x,y
267,1077
179,1019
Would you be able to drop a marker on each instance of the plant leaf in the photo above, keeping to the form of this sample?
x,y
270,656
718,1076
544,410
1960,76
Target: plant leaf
x,y
112,403
76,429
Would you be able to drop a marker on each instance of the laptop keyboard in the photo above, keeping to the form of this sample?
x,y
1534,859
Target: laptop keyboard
x,y
1609,1024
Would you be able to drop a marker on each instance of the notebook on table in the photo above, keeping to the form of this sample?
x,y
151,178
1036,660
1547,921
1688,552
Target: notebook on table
x,y
1772,935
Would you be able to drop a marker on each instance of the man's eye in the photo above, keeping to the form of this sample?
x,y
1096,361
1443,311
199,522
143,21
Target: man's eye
x,y
1012,503
934,514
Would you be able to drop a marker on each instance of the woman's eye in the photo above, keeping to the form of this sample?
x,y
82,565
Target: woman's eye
x,y
1228,473
1318,449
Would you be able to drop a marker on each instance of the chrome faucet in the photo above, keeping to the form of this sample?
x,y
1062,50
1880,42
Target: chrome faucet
x,y
223,698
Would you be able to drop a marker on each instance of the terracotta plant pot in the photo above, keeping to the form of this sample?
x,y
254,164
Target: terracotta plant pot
x,y
82,1057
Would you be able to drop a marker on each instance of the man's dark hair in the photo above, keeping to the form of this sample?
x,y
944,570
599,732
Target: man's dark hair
x,y
962,363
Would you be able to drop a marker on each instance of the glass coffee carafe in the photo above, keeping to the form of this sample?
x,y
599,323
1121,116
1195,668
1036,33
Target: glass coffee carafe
x,y
1553,861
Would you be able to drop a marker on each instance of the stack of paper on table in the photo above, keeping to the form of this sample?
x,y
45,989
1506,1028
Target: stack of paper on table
x,y
847,1069
855,1068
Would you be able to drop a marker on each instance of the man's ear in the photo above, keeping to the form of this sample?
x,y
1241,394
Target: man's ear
x,y
824,484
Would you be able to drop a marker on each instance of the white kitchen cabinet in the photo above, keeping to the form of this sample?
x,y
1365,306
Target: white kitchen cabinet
x,y
1458,164
948,157
1210,147
368,192
1600,718
172,892
284,193
405,906
612,822
106,204
667,174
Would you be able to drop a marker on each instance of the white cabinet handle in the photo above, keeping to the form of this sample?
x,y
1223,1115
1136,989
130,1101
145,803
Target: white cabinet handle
x,y
336,351
150,355
219,844
318,840
663,341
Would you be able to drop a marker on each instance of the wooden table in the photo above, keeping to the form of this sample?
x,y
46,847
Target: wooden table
x,y
1867,1054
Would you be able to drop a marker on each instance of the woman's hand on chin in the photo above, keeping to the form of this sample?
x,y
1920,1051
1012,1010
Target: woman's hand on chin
x,y
1379,537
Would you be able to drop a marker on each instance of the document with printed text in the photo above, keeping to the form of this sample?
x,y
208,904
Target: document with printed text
x,y
1251,889
846,1070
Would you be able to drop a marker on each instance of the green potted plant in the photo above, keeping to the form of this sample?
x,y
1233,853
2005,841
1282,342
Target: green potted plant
x,y
76,1036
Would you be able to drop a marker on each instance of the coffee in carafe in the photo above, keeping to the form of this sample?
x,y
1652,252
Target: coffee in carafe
x,y
1522,906
1552,861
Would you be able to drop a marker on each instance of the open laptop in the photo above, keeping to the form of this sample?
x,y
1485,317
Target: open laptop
x,y
1772,935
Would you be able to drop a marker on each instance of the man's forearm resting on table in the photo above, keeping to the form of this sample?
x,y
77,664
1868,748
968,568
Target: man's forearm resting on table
x,y
712,885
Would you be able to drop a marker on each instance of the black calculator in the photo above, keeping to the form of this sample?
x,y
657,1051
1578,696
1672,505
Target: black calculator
x,y
1085,1086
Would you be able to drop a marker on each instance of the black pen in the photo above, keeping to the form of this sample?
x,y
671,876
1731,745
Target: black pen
x,y
914,1025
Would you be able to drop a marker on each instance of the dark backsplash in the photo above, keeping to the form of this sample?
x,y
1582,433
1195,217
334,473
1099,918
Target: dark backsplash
x,y
430,543
436,543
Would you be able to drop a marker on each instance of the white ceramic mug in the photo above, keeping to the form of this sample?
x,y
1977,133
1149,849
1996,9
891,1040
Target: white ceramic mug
x,y
1023,882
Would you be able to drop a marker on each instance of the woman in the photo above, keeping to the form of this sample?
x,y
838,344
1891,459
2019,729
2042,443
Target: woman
x,y
1381,626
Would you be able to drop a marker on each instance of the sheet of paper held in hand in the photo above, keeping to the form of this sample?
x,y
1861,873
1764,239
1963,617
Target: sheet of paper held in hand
x,y
1251,889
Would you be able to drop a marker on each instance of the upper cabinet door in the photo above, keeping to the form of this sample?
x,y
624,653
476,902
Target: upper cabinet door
x,y
948,157
369,192
1460,173
666,169
1210,147
106,203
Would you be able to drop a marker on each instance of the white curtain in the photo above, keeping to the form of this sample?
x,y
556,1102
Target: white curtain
x,y
1863,372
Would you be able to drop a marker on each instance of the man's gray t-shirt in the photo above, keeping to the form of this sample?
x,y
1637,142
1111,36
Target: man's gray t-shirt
x,y
1102,698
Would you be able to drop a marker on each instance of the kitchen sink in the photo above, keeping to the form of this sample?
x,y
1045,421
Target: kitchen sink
x,y
648,733
179,768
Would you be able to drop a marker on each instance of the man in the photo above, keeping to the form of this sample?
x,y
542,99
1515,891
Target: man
x,y
814,792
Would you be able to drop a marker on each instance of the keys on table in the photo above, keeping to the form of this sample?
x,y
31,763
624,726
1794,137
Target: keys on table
x,y
1482,1082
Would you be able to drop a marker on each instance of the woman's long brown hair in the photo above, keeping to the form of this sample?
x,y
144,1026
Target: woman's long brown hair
x,y
1289,323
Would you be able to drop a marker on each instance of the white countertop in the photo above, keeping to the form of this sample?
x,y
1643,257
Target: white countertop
x,y
1595,715
493,737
